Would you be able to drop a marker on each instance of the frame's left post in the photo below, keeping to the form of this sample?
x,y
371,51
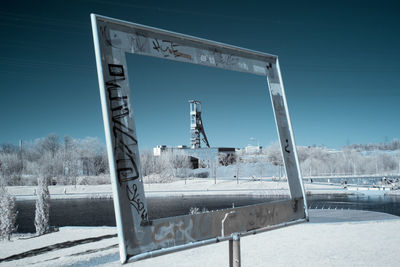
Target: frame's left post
x,y
130,205
104,107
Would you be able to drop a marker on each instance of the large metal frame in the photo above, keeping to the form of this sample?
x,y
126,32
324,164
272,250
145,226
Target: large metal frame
x,y
138,237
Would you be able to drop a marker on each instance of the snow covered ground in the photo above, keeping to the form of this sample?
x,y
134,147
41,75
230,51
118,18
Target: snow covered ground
x,y
197,186
331,238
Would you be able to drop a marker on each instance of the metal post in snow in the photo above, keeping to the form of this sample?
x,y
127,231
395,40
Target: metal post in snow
x,y
234,251
215,175
237,175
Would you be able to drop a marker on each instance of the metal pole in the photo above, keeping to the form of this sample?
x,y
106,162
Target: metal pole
x,y
234,251
215,174
230,252
20,155
237,174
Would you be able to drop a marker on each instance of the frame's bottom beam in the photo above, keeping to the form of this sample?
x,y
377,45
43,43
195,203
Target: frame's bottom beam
x,y
164,251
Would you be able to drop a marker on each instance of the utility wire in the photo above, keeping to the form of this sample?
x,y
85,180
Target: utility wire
x,y
177,11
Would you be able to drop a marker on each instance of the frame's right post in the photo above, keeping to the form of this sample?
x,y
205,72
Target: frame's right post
x,y
285,133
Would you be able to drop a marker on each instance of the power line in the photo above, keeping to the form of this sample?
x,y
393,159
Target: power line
x,y
46,29
25,63
178,11
20,17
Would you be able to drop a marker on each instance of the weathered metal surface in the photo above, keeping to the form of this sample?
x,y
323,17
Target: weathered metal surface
x,y
285,133
113,39
179,230
164,251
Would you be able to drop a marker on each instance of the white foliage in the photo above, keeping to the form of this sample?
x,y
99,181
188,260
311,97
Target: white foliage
x,y
71,161
8,214
10,168
60,162
274,155
164,168
42,207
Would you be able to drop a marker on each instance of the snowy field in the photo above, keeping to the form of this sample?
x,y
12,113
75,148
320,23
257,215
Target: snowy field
x,y
331,238
189,187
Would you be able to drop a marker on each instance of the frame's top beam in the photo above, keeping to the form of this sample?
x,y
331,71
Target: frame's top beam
x,y
232,49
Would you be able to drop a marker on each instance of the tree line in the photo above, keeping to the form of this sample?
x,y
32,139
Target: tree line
x,y
52,160
386,146
66,160
60,161
316,161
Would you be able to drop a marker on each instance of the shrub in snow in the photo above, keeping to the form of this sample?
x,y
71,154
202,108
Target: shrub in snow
x,y
8,214
42,207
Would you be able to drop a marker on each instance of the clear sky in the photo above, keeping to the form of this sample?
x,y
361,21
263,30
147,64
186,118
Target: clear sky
x,y
339,61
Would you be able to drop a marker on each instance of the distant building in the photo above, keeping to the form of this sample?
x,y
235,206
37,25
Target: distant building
x,y
159,149
253,149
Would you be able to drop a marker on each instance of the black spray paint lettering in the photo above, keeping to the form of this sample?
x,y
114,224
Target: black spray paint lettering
x,y
287,146
135,201
168,48
124,140
116,70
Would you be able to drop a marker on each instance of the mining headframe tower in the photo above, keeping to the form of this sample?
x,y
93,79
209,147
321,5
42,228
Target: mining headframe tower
x,y
197,137
196,126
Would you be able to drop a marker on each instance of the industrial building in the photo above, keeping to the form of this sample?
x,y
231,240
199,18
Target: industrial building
x,y
197,137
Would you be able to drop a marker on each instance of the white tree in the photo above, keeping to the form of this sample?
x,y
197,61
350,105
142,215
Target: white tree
x,y
11,168
93,156
42,206
8,214
71,161
147,162
173,164
164,168
274,156
181,164
50,144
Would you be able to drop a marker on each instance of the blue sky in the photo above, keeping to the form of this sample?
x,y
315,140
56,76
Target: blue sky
x,y
339,63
